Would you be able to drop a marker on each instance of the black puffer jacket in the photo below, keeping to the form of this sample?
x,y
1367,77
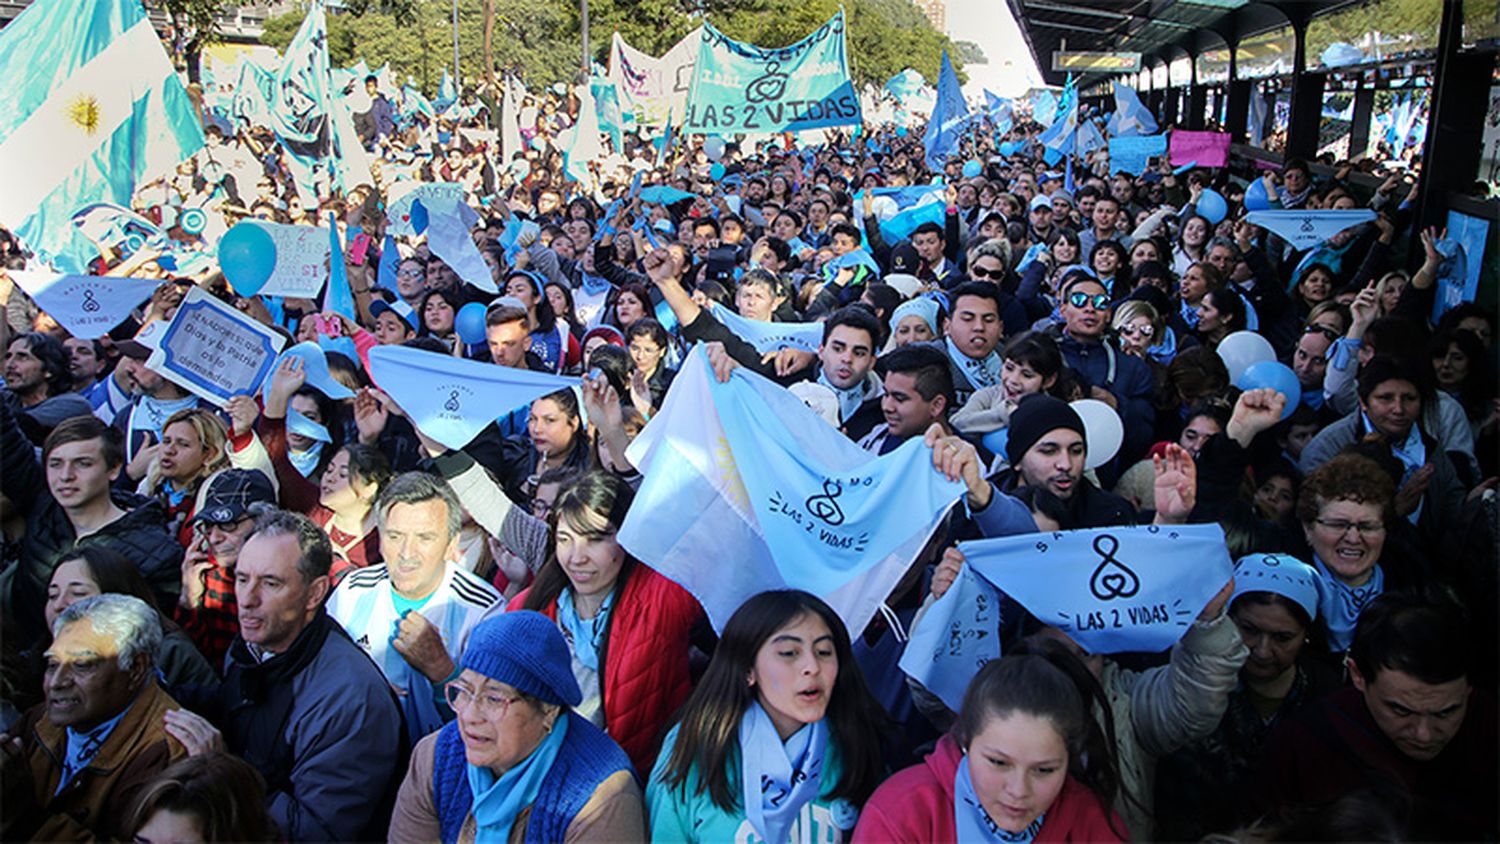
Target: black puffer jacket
x,y
140,535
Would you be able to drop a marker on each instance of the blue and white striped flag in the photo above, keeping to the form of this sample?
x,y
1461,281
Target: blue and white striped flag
x,y
745,489
1131,116
90,109
949,119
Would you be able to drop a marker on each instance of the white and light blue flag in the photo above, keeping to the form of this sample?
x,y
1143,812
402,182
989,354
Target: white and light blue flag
x,y
745,489
770,336
900,210
452,399
739,87
88,306
91,108
1111,590
1131,117
950,116
1306,229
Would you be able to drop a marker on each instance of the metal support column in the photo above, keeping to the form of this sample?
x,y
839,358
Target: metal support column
x,y
1364,108
1306,118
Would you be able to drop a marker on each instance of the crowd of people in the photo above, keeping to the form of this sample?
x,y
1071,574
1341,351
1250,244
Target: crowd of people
x,y
299,616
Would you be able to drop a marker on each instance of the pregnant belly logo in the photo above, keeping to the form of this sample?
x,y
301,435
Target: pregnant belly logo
x,y
89,304
451,405
769,86
825,507
1112,579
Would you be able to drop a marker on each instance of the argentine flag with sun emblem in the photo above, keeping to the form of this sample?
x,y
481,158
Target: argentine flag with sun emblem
x,y
90,109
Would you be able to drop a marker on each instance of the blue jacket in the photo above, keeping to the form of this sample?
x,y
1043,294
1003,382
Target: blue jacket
x,y
1129,380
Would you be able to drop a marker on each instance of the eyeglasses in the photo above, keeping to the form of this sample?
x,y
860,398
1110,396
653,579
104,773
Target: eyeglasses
x,y
491,704
1099,301
1321,329
409,273
1147,330
1339,527
981,272
204,526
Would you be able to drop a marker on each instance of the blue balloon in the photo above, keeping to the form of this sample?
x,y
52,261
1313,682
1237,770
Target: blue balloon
x,y
995,441
1212,207
1277,376
1256,198
972,169
468,323
247,255
716,172
901,131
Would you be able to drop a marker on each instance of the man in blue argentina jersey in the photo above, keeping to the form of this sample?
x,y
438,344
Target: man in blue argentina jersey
x,y
413,613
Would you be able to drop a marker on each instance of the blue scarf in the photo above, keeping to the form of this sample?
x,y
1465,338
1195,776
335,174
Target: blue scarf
x,y
1341,603
306,461
1412,454
83,747
972,824
1189,314
981,373
585,636
497,801
851,399
778,779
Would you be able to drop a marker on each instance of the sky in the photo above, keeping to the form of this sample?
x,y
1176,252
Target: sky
x,y
988,23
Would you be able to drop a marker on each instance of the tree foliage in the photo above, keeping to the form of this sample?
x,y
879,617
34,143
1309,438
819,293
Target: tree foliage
x,y
540,38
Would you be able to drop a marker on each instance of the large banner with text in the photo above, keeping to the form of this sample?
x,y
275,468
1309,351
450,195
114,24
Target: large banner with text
x,y
742,88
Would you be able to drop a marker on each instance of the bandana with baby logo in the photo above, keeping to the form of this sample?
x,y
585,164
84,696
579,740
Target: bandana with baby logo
x,y
972,824
777,779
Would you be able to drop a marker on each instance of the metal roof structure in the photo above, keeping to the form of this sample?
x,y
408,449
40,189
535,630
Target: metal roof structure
x,y
1160,30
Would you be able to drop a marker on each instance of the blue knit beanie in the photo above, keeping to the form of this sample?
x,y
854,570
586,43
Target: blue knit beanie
x,y
525,650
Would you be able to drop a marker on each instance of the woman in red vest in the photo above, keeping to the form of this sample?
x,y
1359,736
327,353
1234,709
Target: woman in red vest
x,y
627,627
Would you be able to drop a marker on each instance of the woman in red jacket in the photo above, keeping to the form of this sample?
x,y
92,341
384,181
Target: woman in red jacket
x,y
627,627
1026,761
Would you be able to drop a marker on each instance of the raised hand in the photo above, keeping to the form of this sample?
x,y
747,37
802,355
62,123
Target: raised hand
x,y
1176,488
1256,411
947,572
288,378
370,416
957,459
243,411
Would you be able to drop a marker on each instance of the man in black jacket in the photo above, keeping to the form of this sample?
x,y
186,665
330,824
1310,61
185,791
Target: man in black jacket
x,y
70,503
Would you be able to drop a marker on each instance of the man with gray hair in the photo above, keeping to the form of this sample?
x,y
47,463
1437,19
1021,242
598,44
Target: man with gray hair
x,y
412,614
80,757
299,701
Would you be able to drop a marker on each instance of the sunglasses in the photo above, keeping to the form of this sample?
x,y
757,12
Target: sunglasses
x,y
1321,329
1099,301
1147,330
981,272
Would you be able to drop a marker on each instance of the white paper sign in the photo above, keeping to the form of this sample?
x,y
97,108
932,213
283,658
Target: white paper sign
x,y
214,351
301,261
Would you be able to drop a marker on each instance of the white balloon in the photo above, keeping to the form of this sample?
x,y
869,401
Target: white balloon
x,y
713,147
1103,431
1242,350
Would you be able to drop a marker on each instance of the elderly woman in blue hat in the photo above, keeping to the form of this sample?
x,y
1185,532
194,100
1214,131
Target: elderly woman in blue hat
x,y
1275,606
517,764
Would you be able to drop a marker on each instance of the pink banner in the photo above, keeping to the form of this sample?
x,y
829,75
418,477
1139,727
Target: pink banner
x,y
1205,149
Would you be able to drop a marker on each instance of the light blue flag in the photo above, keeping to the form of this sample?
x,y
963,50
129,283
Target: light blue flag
x,y
1089,138
1059,136
745,489
1130,154
1463,260
857,257
949,118
390,262
740,87
1044,108
584,145
251,103
958,634
337,297
770,336
315,366
665,195
452,399
1131,117
905,209
447,93
301,111
413,103
1000,112
905,85
1306,229
611,120
1110,589
90,109
88,306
